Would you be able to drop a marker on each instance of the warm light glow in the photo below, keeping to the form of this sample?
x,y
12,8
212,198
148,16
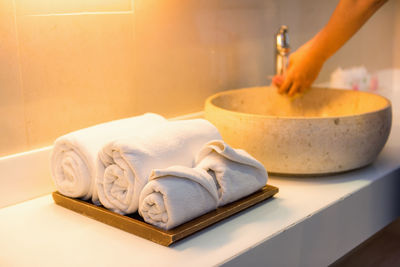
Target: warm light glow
x,y
45,7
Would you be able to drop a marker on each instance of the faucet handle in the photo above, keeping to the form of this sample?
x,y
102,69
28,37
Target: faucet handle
x,y
282,50
282,39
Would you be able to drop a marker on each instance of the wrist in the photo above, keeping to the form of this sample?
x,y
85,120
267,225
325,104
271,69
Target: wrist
x,y
318,51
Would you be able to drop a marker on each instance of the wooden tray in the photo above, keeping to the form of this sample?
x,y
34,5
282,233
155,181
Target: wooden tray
x,y
134,224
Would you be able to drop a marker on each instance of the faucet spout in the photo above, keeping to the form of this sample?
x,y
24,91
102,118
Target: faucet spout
x,y
282,50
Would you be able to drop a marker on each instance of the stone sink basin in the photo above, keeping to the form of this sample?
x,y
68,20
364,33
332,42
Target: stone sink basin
x,y
323,131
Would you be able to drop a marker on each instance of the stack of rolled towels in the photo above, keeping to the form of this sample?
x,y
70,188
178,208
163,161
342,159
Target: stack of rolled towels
x,y
168,171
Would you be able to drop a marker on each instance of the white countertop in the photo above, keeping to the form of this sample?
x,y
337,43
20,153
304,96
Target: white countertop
x,y
310,222
40,233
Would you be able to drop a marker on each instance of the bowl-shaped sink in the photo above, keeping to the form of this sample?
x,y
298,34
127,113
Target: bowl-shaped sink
x,y
324,131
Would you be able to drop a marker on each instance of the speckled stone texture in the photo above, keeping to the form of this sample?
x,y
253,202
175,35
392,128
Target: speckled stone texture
x,y
321,132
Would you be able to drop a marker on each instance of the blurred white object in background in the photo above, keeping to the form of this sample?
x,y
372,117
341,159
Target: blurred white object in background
x,y
355,78
385,82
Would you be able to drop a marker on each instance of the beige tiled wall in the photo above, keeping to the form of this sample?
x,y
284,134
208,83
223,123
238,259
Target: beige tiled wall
x,y
13,135
77,70
68,64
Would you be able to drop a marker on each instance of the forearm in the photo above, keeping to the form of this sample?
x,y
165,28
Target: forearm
x,y
346,20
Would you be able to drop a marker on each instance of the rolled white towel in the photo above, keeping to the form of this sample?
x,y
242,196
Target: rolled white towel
x,y
176,195
124,165
236,172
74,155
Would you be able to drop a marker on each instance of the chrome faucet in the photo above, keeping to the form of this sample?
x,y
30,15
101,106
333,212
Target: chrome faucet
x,y
282,50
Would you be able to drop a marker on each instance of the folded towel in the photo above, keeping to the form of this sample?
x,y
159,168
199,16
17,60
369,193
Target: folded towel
x,y
74,155
125,165
236,172
176,195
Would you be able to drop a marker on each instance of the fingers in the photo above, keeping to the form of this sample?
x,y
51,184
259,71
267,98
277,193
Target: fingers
x,y
285,86
294,89
292,85
277,80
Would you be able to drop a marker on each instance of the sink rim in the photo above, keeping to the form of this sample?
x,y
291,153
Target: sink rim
x,y
209,103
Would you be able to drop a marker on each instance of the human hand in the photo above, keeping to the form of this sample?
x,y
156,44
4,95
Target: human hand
x,y
304,67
